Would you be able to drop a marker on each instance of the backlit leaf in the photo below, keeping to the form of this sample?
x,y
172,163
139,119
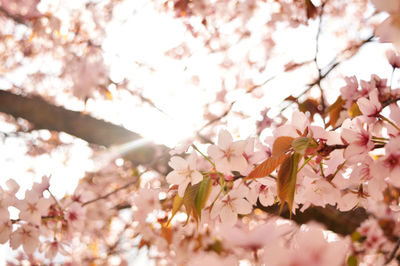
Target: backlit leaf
x,y
166,233
189,201
352,261
203,194
354,110
267,167
311,106
334,111
287,180
176,205
281,145
311,10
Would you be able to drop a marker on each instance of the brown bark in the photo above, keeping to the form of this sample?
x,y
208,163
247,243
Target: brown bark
x,y
43,115
343,223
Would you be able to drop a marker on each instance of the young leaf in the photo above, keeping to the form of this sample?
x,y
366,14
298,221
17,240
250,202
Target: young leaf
x,y
311,10
202,195
176,205
354,110
334,111
281,146
352,261
287,180
267,167
189,201
310,105
302,144
166,232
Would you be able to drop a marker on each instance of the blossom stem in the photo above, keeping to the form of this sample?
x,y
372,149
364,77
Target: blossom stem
x,y
219,193
337,171
305,162
379,138
389,121
202,154
55,200
322,170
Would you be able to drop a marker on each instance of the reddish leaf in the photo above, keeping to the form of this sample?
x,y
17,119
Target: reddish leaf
x,y
166,232
309,105
267,167
281,146
334,111
291,98
311,10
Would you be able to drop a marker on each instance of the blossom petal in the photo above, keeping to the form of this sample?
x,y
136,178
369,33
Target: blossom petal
x,y
196,177
174,178
224,139
228,216
242,206
182,187
238,163
215,152
216,209
223,165
178,163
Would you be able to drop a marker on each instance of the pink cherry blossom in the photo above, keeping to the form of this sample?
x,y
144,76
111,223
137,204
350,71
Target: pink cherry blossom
x,y
389,29
256,237
52,248
228,155
350,91
393,58
75,215
263,189
27,236
5,228
184,173
389,165
370,107
358,138
310,247
33,207
252,156
229,207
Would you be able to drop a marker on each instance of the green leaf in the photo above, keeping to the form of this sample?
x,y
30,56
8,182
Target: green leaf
x,y
202,195
189,201
301,144
352,261
176,205
286,180
355,236
216,246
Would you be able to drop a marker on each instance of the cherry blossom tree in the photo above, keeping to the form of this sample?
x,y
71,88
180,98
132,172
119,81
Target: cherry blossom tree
x,y
200,132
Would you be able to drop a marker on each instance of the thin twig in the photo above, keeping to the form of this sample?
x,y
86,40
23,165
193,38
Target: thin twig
x,y
393,253
133,182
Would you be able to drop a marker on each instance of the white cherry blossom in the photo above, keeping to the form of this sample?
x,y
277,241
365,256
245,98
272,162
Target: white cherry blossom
x,y
27,236
184,173
230,206
228,154
33,207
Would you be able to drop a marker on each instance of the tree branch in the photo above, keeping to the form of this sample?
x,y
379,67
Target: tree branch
x,y
43,115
